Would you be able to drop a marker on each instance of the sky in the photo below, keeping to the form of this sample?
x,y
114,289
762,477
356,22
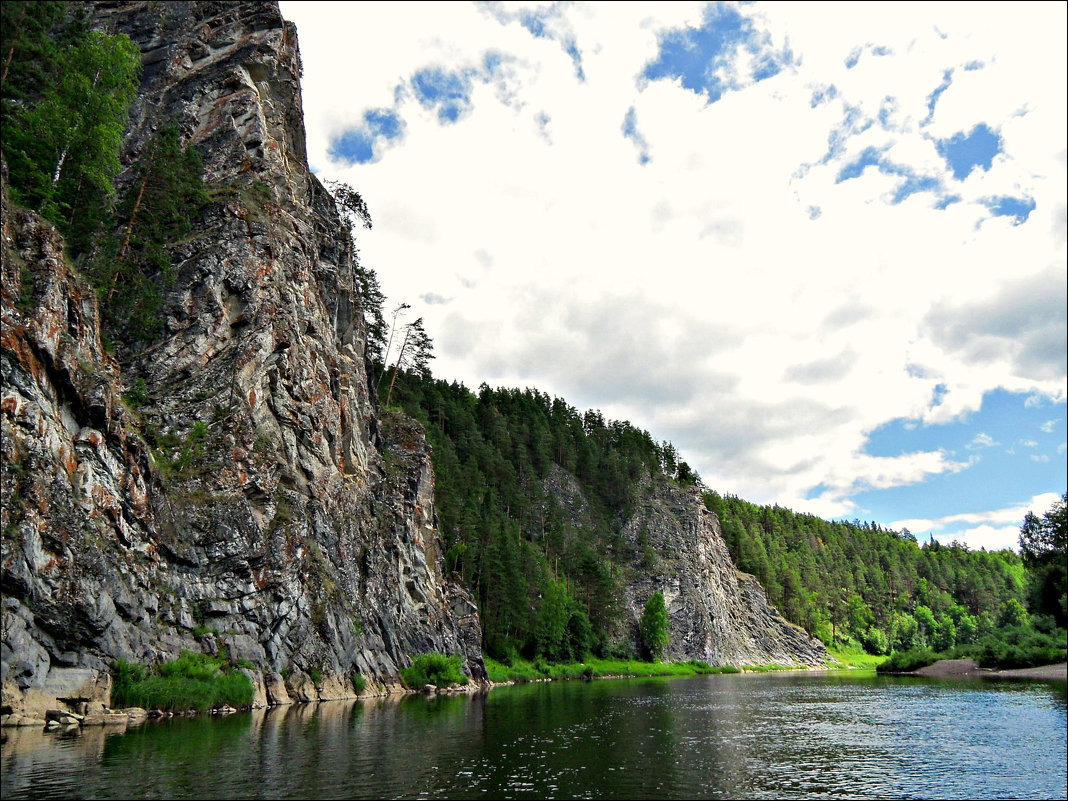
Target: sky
x,y
821,248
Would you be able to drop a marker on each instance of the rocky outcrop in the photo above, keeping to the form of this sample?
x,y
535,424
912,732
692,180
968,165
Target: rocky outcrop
x,y
715,612
247,497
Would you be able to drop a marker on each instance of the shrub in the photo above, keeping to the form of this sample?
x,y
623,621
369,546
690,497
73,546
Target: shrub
x,y
875,641
906,661
654,627
190,682
436,669
359,683
1020,648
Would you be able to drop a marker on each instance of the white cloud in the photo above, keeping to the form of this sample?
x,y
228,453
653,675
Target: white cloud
x,y
695,295
996,529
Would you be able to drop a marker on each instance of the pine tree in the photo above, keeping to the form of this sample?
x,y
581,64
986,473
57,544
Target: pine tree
x,y
133,266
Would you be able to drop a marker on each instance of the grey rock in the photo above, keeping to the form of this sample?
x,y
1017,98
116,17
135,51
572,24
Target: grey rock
x,y
288,541
715,613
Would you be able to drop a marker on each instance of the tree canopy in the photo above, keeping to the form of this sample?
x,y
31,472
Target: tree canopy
x,y
1044,547
62,147
654,626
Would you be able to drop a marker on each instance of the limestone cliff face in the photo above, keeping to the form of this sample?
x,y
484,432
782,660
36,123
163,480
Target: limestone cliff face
x,y
716,613
252,499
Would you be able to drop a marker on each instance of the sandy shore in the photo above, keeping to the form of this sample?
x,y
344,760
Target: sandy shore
x,y
950,668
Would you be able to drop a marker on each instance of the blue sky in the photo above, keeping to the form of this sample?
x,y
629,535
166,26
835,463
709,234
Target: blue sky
x,y
819,248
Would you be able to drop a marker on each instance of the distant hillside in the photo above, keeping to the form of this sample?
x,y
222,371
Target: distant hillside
x,y
535,498
858,580
565,524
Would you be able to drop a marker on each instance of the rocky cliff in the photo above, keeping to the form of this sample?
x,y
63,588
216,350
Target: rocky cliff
x,y
252,498
716,613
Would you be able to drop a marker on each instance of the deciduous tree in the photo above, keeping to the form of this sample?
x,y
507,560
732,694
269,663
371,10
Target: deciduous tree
x,y
654,626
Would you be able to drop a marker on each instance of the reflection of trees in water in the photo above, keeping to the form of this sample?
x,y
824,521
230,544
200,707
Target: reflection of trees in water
x,y
773,735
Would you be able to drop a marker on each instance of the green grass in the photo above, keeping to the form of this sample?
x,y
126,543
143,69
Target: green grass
x,y
436,669
854,658
523,671
190,682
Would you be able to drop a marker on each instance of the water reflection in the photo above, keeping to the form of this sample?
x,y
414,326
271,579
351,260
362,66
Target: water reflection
x,y
749,736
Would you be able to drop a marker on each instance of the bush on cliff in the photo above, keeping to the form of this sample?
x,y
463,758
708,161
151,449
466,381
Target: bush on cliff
x,y
654,627
190,682
436,669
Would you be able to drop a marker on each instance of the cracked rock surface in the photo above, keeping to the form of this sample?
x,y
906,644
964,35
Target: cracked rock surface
x,y
245,505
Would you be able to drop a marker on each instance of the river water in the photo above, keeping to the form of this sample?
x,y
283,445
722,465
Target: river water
x,y
776,735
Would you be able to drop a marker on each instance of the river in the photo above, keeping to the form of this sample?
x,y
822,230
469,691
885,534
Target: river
x,y
774,735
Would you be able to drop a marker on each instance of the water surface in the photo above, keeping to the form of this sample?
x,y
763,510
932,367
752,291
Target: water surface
x,y
798,735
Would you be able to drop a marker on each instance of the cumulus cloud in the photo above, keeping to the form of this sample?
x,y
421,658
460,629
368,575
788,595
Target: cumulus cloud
x,y
759,231
997,529
1023,326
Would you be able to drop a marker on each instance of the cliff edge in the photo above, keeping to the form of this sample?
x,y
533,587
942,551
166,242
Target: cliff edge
x,y
251,499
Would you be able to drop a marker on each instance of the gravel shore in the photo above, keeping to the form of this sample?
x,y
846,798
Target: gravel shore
x,y
950,668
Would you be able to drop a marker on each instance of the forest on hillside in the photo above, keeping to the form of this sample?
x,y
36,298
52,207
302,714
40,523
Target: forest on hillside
x,y
858,581
848,583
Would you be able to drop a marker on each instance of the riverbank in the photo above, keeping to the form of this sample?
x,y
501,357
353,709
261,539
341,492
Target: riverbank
x,y
522,671
969,668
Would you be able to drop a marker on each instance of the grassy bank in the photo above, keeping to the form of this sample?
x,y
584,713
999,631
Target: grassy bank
x,y
522,670
190,682
854,657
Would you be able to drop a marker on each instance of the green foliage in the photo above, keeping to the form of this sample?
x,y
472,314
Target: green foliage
x,y
905,633
132,265
350,204
359,683
1044,547
62,147
416,351
137,396
909,660
540,576
436,669
562,630
29,49
525,671
875,641
369,292
842,580
175,454
654,626
1020,647
190,682
1013,615
1006,648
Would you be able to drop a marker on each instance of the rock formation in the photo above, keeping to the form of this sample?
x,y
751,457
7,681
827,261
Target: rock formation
x,y
716,613
254,501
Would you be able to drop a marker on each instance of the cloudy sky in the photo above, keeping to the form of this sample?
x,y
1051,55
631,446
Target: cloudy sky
x,y
819,247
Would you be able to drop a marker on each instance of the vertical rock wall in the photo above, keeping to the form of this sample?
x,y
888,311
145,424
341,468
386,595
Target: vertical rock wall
x,y
254,502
